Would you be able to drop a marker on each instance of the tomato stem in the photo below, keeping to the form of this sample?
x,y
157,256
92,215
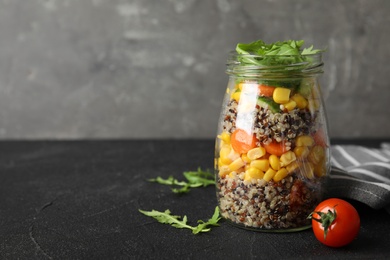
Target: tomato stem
x,y
326,219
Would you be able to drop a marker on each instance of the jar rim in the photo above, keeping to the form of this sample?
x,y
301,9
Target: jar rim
x,y
274,64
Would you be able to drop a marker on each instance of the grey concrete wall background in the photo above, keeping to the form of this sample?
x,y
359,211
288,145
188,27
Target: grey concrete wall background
x,y
155,69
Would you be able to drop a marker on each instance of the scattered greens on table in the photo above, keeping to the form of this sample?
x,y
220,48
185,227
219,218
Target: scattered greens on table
x,y
194,179
167,218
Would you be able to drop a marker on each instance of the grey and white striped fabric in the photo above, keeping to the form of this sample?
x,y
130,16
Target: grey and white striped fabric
x,y
362,174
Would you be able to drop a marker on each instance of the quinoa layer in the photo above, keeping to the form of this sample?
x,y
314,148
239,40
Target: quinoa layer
x,y
268,205
269,126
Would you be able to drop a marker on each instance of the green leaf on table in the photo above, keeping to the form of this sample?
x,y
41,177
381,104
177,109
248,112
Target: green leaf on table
x,y
194,179
181,222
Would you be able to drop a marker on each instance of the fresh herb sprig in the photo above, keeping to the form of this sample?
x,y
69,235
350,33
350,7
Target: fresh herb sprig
x,y
194,179
167,218
277,53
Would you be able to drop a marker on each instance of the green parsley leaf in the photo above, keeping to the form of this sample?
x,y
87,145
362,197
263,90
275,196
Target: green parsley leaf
x,y
167,218
194,179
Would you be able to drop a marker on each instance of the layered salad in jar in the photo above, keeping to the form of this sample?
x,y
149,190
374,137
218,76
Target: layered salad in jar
x,y
272,152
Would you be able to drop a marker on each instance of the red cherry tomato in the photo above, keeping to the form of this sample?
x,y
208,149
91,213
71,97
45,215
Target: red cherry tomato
x,y
335,222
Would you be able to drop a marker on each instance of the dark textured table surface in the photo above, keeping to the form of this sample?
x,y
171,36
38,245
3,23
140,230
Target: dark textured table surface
x,y
80,200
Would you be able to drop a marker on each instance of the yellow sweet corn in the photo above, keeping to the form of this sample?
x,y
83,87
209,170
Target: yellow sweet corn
x,y
236,164
224,154
317,153
300,101
292,166
261,164
225,137
245,158
236,96
274,162
281,95
254,173
281,174
256,153
223,171
320,168
247,177
304,140
290,105
269,174
301,152
287,158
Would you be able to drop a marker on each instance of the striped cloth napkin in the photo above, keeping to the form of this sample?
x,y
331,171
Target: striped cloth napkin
x,y
362,174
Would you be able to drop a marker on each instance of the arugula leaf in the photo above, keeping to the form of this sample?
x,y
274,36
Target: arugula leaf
x,y
308,51
194,179
277,53
167,218
200,177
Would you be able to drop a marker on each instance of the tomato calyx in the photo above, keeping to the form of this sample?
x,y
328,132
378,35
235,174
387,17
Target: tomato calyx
x,y
326,219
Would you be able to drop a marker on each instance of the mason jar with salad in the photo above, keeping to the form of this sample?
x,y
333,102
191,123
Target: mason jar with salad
x,y
272,146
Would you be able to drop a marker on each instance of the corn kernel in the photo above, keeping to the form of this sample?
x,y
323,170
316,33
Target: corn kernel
x,y
256,153
300,101
287,158
225,137
301,152
223,171
281,174
247,177
261,164
290,105
304,140
281,95
269,174
292,167
236,164
274,162
320,168
245,158
236,96
254,173
316,154
224,154
307,170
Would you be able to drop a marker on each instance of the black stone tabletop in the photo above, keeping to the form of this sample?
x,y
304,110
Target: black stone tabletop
x,y
81,200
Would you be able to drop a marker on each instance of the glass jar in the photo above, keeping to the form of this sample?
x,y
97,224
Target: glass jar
x,y
272,147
